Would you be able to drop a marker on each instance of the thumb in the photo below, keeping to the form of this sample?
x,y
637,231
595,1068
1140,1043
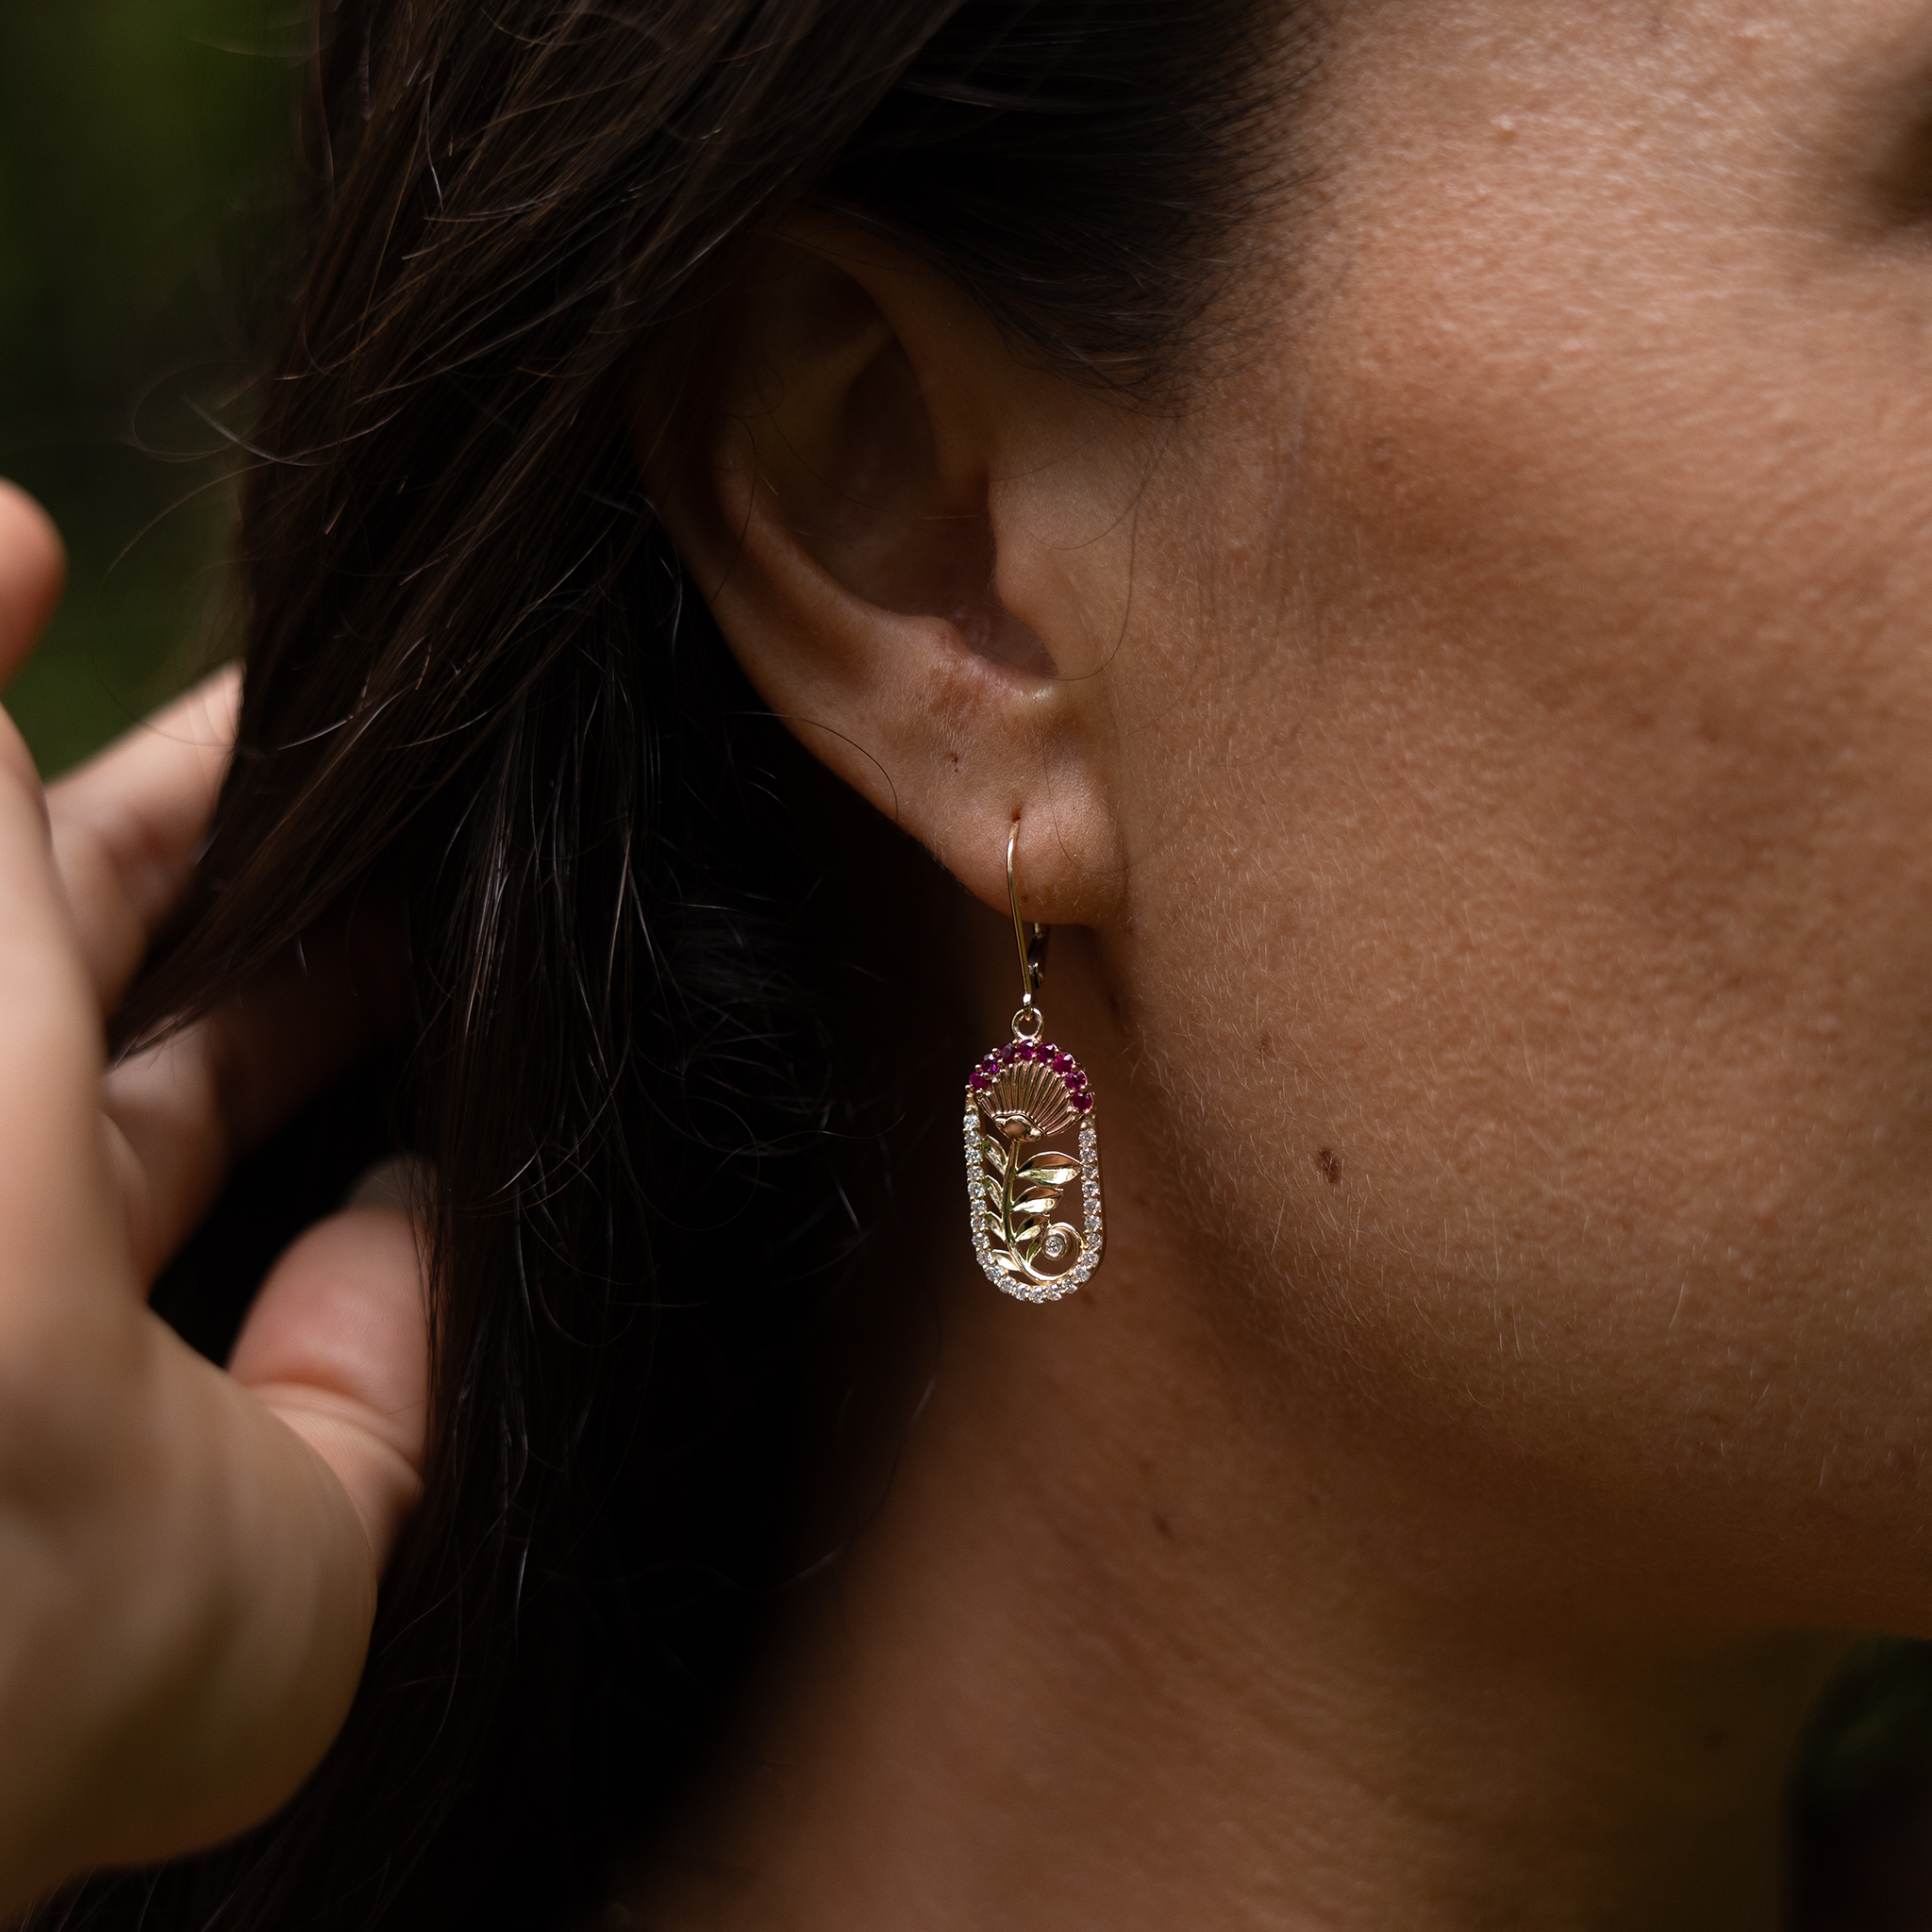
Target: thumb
x,y
33,571
337,1344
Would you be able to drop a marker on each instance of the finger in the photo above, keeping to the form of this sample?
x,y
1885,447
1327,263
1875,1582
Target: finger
x,y
56,1201
33,572
182,1113
337,1344
128,825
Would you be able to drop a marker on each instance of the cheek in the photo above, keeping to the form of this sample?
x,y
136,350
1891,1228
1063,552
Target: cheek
x,y
1561,815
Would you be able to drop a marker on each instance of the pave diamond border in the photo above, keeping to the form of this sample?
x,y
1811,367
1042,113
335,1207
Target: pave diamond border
x,y
980,1186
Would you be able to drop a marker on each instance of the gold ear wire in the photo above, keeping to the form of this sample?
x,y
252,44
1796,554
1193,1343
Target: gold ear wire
x,y
1032,945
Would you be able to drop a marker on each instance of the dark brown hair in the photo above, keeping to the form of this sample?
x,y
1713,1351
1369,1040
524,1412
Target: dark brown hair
x,y
473,671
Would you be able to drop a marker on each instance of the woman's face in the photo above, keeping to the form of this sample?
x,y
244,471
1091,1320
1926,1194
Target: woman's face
x,y
1522,741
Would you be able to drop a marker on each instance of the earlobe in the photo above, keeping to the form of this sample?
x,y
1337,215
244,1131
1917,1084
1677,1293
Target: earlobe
x,y
846,529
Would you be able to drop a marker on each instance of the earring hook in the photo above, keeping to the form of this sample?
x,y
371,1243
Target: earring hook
x,y
1028,1020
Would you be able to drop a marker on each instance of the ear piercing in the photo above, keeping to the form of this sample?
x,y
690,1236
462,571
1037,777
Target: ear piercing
x,y
1018,1098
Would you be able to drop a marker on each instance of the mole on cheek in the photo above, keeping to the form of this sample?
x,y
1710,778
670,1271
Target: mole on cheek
x,y
1330,1163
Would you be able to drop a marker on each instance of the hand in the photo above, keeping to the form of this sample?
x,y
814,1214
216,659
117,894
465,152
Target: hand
x,y
187,1558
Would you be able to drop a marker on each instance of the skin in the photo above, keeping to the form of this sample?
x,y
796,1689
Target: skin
x,y
1473,753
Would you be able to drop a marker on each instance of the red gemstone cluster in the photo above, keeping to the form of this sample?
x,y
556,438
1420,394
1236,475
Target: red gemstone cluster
x,y
988,1071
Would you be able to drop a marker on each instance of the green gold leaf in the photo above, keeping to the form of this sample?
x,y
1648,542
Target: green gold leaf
x,y
1044,1173
993,1154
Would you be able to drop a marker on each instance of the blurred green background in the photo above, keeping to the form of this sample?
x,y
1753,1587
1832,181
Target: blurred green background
x,y
145,179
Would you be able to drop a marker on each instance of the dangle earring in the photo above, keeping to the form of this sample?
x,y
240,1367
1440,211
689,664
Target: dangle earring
x,y
1018,1098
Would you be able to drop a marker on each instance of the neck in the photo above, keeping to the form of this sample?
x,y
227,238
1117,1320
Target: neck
x,y
1147,1632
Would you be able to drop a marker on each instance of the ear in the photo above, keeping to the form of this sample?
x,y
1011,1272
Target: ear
x,y
918,548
